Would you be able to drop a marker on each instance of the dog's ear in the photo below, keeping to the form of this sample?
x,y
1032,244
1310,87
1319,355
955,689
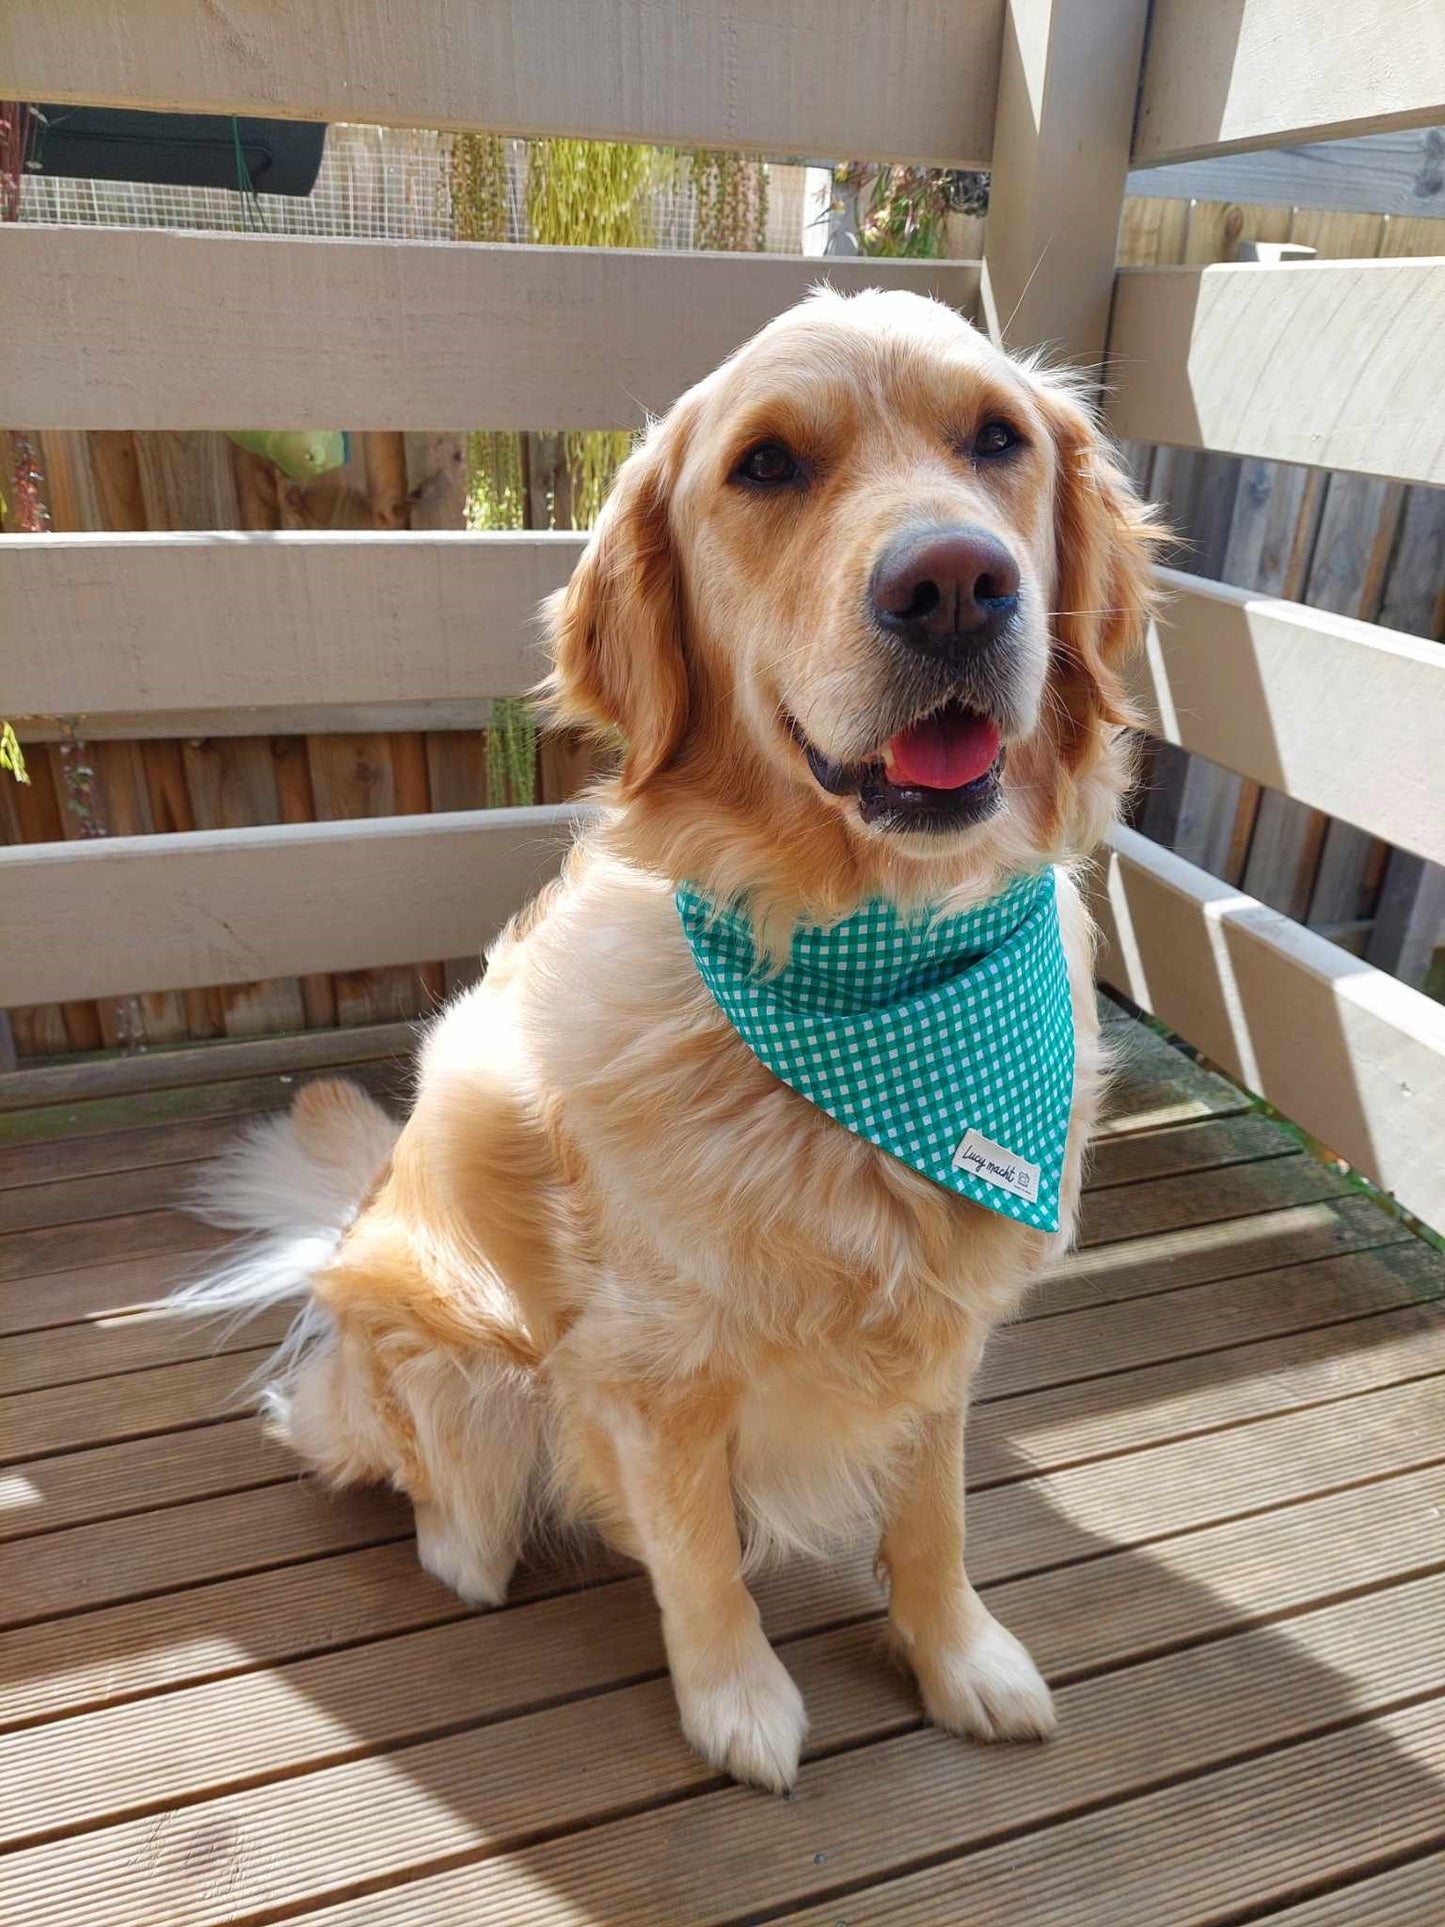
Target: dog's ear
x,y
616,629
1105,539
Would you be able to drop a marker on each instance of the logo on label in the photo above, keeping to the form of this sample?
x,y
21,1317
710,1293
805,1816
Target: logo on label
x,y
998,1166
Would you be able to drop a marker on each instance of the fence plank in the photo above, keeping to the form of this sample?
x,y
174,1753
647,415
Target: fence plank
x,y
1353,1056
1264,73
1336,713
911,81
1067,88
228,906
129,623
354,779
1327,362
268,328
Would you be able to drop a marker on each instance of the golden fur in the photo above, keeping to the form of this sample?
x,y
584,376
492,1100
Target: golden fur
x,y
613,1269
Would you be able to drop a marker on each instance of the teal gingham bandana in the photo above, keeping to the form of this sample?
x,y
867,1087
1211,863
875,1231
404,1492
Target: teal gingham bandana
x,y
946,1040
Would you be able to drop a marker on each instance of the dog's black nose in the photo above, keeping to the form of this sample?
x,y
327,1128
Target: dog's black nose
x,y
944,590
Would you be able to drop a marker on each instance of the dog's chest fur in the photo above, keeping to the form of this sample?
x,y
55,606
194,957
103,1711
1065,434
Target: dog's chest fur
x,y
726,1230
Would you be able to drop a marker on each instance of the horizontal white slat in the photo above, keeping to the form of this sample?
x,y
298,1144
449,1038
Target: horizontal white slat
x,y
913,80
1335,363
119,328
1353,1056
211,631
221,621
133,913
1341,715
1264,73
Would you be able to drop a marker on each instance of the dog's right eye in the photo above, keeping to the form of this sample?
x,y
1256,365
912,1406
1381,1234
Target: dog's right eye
x,y
769,465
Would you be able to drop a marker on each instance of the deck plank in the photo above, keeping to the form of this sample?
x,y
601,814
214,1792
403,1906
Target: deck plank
x,y
136,1234
1410,1896
136,1149
1184,1857
146,1752
1199,1145
51,1298
1029,1358
1204,1197
1192,1397
727,1855
239,1098
1208,1478
1154,1084
142,1475
480,1791
128,1342
1197,1319
86,1566
97,1195
148,1401
166,1398
162,1185
1201,1254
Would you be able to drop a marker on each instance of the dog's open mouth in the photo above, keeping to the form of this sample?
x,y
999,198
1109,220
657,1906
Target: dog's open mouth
x,y
939,774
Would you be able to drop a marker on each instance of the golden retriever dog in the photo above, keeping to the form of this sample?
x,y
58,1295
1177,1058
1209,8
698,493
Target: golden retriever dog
x,y
856,610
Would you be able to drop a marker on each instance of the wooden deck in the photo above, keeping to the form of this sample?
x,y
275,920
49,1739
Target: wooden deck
x,y
1209,1491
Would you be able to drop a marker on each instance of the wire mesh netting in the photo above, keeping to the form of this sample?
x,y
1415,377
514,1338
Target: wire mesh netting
x,y
390,184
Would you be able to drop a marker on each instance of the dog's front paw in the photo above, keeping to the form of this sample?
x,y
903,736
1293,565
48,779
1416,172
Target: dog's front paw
x,y
985,1686
749,1721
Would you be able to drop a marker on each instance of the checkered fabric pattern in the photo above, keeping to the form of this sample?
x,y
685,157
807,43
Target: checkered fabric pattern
x,y
914,1032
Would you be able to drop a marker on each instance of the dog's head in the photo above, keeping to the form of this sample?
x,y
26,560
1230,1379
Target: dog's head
x,y
857,606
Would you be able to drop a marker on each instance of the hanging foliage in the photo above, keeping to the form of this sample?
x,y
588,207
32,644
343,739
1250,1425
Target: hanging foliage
x,y
26,508
577,194
732,202
481,204
591,194
595,194
18,122
496,491
12,757
903,211
479,187
592,457
511,752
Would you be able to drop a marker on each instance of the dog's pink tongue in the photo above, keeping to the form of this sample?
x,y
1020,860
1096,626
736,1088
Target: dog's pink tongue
x,y
943,752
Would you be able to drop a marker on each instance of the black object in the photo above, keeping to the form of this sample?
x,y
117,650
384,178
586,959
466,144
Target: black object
x,y
177,150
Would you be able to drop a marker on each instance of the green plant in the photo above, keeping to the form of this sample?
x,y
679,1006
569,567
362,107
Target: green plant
x,y
511,752
578,194
903,211
591,194
732,201
496,493
12,757
479,187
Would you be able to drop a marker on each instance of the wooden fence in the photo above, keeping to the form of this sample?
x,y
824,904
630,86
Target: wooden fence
x,y
1329,366
1349,545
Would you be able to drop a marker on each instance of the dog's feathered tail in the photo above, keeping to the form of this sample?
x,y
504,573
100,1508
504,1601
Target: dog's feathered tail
x,y
293,1183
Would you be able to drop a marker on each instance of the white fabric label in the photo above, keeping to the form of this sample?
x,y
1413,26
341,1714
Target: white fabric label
x,y
996,1165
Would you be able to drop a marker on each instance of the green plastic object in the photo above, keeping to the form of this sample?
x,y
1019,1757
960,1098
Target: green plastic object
x,y
300,453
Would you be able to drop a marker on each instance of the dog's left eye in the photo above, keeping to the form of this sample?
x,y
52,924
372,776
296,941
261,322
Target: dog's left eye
x,y
995,438
769,465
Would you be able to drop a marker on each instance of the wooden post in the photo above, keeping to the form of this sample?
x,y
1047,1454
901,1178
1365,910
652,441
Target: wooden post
x,y
1067,87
